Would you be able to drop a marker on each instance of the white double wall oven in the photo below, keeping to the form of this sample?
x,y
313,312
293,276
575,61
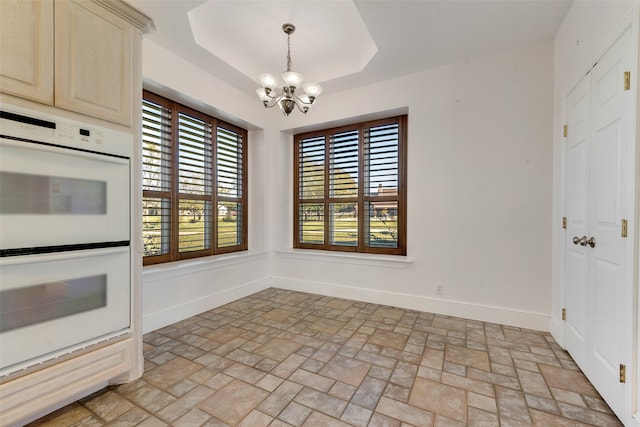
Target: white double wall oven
x,y
65,232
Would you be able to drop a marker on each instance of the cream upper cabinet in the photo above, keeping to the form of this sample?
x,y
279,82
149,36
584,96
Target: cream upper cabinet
x,y
93,61
26,49
79,55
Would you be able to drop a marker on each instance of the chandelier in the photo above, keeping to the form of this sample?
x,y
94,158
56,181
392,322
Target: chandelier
x,y
285,97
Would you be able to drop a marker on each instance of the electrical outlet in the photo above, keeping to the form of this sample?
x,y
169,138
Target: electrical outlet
x,y
439,289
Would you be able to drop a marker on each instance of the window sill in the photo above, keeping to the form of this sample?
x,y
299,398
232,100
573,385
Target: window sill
x,y
180,268
372,260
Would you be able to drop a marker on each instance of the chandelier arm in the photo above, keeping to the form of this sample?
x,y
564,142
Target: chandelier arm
x,y
273,102
301,105
310,103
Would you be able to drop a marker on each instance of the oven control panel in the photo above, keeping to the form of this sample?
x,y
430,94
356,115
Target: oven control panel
x,y
57,131
24,124
83,135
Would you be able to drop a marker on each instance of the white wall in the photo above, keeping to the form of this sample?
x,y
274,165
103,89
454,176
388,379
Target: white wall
x,y
171,292
479,192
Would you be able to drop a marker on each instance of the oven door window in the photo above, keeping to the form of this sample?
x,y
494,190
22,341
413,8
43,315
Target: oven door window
x,y
52,300
53,196
36,194
55,303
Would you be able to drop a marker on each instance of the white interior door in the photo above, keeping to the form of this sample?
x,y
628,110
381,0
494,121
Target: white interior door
x,y
576,208
598,283
611,286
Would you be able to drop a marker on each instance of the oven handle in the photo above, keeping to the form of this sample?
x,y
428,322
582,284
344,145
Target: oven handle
x,y
67,151
61,256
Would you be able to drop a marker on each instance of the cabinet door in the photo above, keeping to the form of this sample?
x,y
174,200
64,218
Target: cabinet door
x,y
26,49
93,61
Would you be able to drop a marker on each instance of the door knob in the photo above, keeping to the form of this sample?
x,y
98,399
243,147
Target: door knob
x,y
592,242
580,240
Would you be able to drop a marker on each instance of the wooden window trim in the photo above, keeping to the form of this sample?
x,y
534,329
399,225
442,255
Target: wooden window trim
x,y
175,196
361,198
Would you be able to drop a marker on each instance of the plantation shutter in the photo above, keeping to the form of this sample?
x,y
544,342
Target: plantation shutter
x,y
349,188
194,184
230,177
156,178
194,179
311,179
381,175
343,188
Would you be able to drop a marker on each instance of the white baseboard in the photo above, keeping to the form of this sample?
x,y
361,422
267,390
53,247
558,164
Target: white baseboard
x,y
160,319
500,315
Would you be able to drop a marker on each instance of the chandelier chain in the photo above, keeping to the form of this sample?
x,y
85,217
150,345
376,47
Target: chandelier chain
x,y
288,51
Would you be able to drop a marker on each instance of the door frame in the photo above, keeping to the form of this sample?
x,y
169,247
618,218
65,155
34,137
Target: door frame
x,y
635,404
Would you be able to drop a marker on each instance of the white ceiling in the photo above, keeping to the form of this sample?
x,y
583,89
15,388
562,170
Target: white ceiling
x,y
342,43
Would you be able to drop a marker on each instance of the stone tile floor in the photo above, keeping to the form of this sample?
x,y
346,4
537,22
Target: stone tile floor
x,y
283,358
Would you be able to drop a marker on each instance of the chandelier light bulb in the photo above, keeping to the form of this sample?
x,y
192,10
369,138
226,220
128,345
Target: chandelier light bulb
x,y
268,81
262,94
292,79
285,97
312,89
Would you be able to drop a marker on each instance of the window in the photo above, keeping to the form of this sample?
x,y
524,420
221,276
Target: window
x,y
194,183
350,188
